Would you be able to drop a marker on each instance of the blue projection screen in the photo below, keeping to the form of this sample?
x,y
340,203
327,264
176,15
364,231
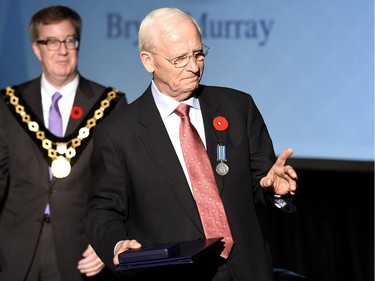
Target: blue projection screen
x,y
308,64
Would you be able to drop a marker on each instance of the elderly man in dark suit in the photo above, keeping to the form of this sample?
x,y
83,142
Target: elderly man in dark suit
x,y
45,174
144,189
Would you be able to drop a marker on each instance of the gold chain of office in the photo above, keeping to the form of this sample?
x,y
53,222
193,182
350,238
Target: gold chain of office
x,y
60,152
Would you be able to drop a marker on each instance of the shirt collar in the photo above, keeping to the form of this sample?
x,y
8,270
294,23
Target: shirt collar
x,y
66,91
166,105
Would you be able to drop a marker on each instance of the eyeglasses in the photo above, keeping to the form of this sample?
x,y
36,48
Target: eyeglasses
x,y
53,44
183,61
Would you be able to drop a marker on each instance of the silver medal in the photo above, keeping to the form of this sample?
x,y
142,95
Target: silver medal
x,y
222,169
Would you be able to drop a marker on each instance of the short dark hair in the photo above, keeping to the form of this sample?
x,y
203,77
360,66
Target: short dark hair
x,y
54,14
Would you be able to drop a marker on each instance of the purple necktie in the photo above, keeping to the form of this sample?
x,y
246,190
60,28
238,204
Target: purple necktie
x,y
55,120
55,127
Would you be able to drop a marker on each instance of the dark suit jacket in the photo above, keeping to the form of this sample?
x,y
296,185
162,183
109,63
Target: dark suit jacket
x,y
25,188
140,191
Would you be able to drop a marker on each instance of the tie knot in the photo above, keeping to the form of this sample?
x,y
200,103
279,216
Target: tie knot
x,y
182,110
56,97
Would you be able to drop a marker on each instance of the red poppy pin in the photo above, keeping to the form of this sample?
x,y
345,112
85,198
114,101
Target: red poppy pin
x,y
220,123
76,112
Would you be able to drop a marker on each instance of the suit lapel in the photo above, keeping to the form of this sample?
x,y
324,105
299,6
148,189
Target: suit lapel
x,y
210,110
155,138
84,99
33,98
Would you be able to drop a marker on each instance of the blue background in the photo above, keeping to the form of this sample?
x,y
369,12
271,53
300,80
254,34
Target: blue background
x,y
311,75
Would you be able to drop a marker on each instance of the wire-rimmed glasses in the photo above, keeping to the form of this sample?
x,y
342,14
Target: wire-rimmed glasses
x,y
183,61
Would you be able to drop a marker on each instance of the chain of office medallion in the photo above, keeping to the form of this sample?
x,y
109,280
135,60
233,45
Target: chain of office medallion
x,y
54,148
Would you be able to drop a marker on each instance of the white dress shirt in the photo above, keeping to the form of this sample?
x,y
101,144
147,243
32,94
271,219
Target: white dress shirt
x,y
68,93
166,105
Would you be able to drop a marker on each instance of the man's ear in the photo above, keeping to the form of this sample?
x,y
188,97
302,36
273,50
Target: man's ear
x,y
148,61
36,51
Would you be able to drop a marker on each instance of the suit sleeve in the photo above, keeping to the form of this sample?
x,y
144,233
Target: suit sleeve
x,y
107,198
4,155
262,159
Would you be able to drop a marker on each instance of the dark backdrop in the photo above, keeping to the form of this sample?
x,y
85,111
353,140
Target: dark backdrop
x,y
331,237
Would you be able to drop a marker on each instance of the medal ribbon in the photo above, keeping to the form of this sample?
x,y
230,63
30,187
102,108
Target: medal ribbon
x,y
221,152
